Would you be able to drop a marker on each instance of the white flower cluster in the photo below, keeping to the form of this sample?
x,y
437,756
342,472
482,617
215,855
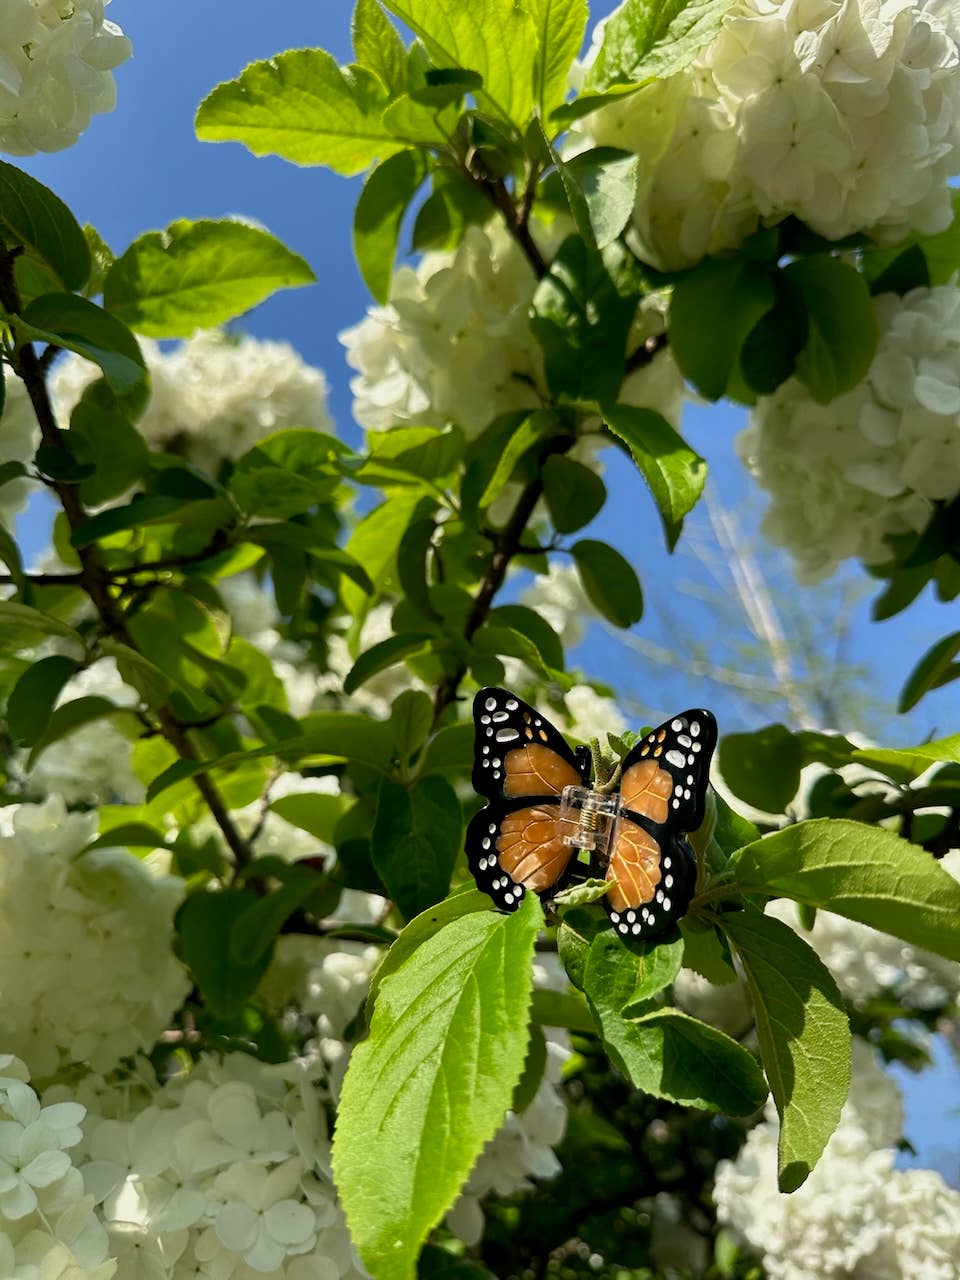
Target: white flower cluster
x,y
215,396
845,113
87,973
48,1229
856,1215
454,343
221,1172
92,765
55,62
19,437
844,477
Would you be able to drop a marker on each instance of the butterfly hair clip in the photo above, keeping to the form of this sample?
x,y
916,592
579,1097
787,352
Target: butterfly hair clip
x,y
544,808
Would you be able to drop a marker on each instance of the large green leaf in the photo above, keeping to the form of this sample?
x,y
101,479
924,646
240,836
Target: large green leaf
x,y
81,326
495,38
910,762
383,655
666,1053
374,544
559,26
416,839
842,324
804,1036
937,667
31,216
196,275
610,582
574,493
378,47
607,179
22,624
205,923
763,767
646,38
713,309
582,320
430,1086
34,696
302,106
384,200
859,871
102,436
675,473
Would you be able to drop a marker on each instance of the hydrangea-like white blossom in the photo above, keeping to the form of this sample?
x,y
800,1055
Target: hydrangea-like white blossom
x,y
56,57
215,396
855,1215
19,437
87,973
845,113
454,343
844,477
47,1224
221,1172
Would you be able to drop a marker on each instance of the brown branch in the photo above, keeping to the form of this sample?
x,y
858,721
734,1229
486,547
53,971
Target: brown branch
x,y
517,222
645,353
93,577
506,545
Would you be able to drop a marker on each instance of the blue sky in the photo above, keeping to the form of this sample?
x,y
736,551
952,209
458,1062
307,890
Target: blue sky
x,y
142,167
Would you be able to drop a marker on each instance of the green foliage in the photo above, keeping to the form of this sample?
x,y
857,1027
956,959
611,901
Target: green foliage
x,y
645,39
940,256
610,582
416,839
674,472
205,924
34,696
764,767
908,763
36,220
455,1010
196,275
664,1052
383,202
936,668
574,494
859,871
804,1036
67,321
842,325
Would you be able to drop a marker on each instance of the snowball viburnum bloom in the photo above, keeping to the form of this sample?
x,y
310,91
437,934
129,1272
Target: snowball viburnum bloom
x,y
844,113
845,477
33,1146
264,1220
55,62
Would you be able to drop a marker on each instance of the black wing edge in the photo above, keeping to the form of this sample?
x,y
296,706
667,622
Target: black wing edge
x,y
678,880
695,739
497,713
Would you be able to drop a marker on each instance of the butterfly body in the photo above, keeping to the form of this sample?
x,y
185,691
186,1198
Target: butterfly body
x,y
543,809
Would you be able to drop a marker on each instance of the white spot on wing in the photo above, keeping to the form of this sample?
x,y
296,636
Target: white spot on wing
x,y
676,725
490,704
676,758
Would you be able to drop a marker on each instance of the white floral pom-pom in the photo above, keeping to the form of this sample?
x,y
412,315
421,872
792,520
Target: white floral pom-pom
x,y
856,1215
845,114
845,477
56,57
47,1223
215,396
87,973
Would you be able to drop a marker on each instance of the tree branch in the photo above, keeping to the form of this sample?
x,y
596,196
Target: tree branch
x,y
93,577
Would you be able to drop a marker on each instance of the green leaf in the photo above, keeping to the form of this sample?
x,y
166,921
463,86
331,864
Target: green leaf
x,y
383,202
378,47
451,749
909,762
582,321
312,812
529,432
508,643
842,324
32,216
81,326
574,493
408,1131
607,177
197,275
102,436
579,895
804,1036
101,257
300,105
22,624
863,872
647,38
611,583
34,696
454,204
255,928
519,617
666,1053
205,922
762,768
411,718
69,717
533,1069
129,835
383,655
674,473
560,25
374,544
713,309
495,38
9,551
705,951
657,965
416,840
941,253
935,669
420,928
566,1009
